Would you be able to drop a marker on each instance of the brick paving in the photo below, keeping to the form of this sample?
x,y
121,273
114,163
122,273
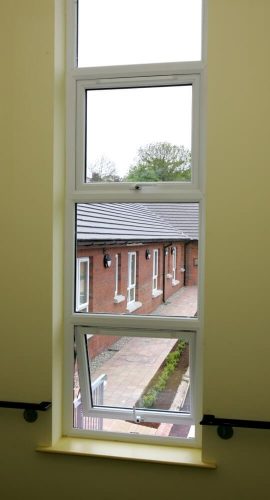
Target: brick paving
x,y
181,303
131,369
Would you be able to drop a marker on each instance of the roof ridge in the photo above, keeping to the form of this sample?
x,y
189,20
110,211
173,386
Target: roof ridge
x,y
164,220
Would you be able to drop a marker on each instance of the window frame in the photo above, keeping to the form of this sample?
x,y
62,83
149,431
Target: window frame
x,y
147,415
116,276
132,281
118,297
125,82
79,261
175,281
78,80
155,270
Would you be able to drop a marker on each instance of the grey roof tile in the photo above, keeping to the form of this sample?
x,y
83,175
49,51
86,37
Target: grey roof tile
x,y
131,222
182,216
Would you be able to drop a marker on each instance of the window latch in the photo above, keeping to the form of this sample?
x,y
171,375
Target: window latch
x,y
137,418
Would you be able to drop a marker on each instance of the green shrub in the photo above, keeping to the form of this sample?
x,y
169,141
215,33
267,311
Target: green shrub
x,y
149,398
171,363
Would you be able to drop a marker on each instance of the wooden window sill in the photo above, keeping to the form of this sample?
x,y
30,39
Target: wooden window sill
x,y
128,451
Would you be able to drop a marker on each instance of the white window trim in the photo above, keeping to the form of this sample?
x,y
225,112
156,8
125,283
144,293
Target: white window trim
x,y
155,291
78,192
118,298
121,187
174,266
155,270
131,286
136,414
85,306
116,275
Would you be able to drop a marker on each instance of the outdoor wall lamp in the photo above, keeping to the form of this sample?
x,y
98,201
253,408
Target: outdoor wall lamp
x,y
166,251
107,260
147,254
172,250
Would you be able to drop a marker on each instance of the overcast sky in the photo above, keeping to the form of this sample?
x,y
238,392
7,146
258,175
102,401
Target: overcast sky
x,y
127,32
119,121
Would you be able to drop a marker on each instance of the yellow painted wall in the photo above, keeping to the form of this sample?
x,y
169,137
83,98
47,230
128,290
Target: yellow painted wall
x,y
237,334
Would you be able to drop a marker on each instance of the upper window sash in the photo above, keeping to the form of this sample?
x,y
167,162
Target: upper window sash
x,y
104,75
78,132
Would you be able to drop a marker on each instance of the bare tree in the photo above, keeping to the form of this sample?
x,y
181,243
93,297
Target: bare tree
x,y
103,170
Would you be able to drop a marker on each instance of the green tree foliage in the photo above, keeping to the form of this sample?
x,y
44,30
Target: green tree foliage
x,y
161,161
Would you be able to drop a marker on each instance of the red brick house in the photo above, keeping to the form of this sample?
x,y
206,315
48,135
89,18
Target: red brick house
x,y
133,257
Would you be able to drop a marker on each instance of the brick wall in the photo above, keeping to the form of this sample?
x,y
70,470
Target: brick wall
x,y
98,343
102,280
191,277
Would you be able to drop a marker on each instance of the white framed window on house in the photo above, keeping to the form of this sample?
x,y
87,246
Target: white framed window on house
x,y
155,290
174,264
131,289
155,270
135,149
82,281
116,275
117,295
132,303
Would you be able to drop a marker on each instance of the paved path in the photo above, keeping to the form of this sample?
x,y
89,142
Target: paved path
x,y
181,303
130,370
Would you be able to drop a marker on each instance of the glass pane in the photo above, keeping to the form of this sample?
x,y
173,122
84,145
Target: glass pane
x,y
155,262
139,134
104,230
83,282
140,372
120,32
132,295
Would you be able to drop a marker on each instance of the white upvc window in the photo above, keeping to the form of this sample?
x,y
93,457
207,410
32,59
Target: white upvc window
x,y
155,270
116,275
129,100
117,296
82,284
139,408
174,263
131,289
174,266
155,291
